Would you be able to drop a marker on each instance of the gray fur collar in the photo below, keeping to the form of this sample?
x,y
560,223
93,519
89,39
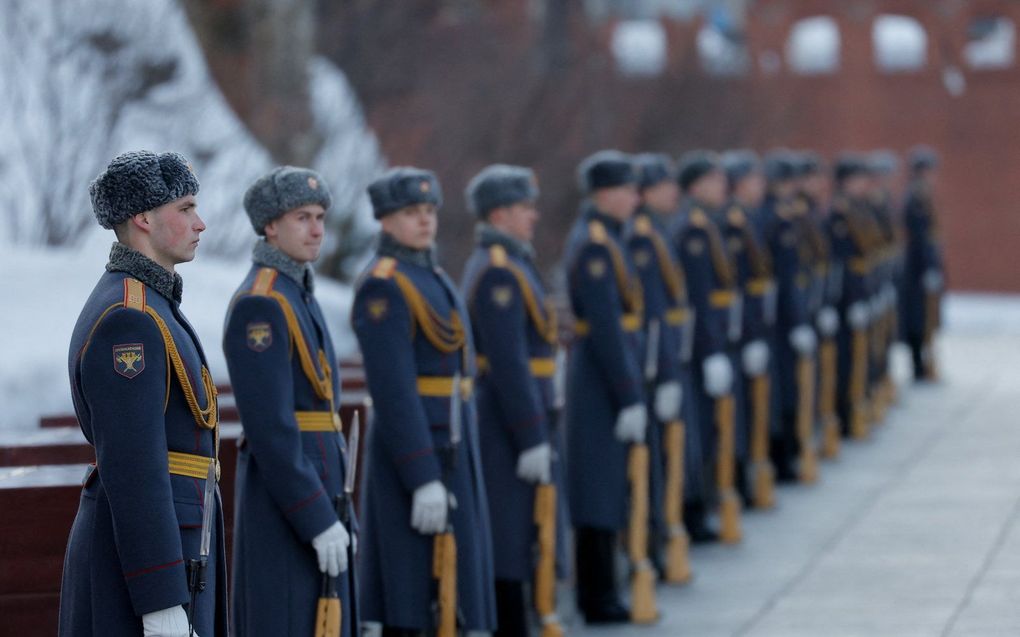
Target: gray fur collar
x,y
126,259
390,247
266,255
487,235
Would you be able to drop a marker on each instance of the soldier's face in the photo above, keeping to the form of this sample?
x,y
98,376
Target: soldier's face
x,y
618,202
663,197
711,189
750,190
517,220
413,226
299,232
857,186
173,231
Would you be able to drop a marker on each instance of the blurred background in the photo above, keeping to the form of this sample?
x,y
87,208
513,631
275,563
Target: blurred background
x,y
352,87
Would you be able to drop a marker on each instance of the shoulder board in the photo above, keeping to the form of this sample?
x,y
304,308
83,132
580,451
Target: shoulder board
x,y
736,217
497,256
134,294
384,268
264,281
597,232
699,218
643,225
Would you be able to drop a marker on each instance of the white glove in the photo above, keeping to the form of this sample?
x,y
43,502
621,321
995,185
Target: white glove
x,y
371,629
857,315
890,295
932,281
535,464
828,321
755,357
331,549
718,375
803,340
668,398
631,423
169,622
429,508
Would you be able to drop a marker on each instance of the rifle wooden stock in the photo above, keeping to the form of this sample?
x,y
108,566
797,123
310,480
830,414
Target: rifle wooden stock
x,y
328,617
858,385
444,570
827,399
729,503
808,470
678,565
763,487
545,572
642,583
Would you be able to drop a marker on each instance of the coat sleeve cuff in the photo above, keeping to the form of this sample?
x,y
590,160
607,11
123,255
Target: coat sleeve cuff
x,y
157,587
418,468
311,516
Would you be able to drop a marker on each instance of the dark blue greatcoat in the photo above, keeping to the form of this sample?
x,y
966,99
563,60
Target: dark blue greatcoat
x,y
137,523
516,338
710,287
287,479
603,373
396,335
923,252
665,302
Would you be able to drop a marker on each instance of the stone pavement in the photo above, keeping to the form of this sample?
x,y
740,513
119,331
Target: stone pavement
x,y
912,532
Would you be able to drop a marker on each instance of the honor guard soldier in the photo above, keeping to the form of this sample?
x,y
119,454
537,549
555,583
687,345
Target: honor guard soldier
x,y
516,338
145,554
852,237
605,412
795,339
753,273
669,328
923,278
712,293
423,507
291,458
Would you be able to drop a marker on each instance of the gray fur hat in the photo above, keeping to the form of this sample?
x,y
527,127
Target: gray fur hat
x,y
653,169
500,185
283,189
738,164
138,181
402,187
694,165
605,169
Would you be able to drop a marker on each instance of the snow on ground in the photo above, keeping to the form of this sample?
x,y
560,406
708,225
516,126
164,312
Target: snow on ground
x,y
44,290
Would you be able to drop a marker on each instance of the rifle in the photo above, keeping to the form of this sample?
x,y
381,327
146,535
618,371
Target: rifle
x,y
764,474
444,545
329,614
827,399
545,521
195,568
858,385
729,503
642,583
806,419
678,566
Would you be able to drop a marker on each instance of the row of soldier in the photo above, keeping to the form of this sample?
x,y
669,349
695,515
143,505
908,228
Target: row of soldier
x,y
700,333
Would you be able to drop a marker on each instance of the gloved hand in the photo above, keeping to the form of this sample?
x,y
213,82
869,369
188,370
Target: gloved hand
x,y
631,423
828,321
755,357
331,549
371,629
891,296
668,398
169,622
932,281
857,315
718,375
429,508
535,464
803,340
877,305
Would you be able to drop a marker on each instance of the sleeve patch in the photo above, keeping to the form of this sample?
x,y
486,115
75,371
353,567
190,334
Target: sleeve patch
x,y
597,268
377,308
788,238
642,258
736,244
695,246
502,295
129,359
259,336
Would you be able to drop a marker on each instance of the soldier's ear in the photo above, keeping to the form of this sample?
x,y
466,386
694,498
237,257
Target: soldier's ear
x,y
270,230
142,222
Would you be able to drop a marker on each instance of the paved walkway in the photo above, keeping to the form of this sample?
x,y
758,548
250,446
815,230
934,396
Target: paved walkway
x,y
913,532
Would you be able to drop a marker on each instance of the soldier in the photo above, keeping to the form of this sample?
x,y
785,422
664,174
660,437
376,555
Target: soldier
x,y
753,272
711,291
883,166
145,400
421,483
923,278
515,333
667,312
290,463
605,410
852,236
795,339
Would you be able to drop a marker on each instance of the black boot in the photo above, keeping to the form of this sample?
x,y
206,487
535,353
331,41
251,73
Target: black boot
x,y
782,460
510,609
597,598
696,521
